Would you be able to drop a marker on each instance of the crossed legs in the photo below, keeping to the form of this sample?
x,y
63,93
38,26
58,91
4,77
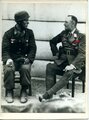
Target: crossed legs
x,y
51,86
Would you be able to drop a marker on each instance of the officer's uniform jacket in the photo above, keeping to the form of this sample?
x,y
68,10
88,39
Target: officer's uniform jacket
x,y
16,45
73,46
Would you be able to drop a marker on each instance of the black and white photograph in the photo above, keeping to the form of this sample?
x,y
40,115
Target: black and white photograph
x,y
43,57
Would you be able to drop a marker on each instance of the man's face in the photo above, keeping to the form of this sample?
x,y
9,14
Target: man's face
x,y
24,24
68,24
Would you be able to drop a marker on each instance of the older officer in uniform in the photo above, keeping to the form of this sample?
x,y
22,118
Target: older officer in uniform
x,y
68,58
18,53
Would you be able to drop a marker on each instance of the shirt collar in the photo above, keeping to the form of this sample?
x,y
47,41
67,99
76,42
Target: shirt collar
x,y
72,32
17,31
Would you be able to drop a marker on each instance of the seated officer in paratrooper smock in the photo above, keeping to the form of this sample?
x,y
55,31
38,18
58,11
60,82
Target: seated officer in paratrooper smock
x,y
70,56
18,53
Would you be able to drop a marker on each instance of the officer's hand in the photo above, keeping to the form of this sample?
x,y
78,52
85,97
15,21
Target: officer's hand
x,y
26,61
9,62
69,67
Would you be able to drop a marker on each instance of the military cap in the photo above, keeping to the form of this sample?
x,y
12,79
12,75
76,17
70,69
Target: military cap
x,y
22,15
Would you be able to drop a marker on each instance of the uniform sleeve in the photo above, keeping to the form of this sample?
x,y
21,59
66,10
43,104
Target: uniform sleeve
x,y
80,59
5,47
54,42
33,48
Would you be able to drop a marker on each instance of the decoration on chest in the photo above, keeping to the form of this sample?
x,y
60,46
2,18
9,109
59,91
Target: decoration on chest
x,y
76,40
26,42
73,39
12,40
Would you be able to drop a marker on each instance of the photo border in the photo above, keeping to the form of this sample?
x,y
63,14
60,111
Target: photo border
x,y
47,115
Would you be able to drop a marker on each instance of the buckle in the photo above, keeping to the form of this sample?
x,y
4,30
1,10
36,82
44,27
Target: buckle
x,y
68,52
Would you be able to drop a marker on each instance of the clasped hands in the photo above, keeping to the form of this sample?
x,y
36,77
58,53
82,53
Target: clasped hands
x,y
23,60
11,63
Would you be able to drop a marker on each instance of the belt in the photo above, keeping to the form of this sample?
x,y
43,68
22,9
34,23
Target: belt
x,y
70,52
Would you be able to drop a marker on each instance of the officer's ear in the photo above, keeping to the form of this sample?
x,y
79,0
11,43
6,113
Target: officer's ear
x,y
73,23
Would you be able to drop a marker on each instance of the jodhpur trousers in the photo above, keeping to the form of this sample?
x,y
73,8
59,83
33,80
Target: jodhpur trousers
x,y
51,71
9,75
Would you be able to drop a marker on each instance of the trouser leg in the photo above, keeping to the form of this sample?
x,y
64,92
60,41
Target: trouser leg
x,y
61,83
9,77
51,71
50,76
25,77
9,83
